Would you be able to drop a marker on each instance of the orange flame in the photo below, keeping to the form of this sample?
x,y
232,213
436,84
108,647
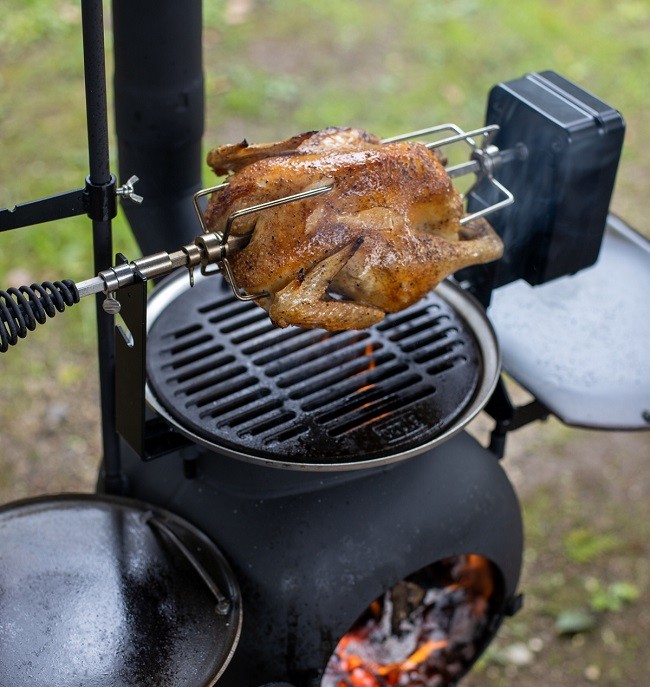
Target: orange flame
x,y
477,577
420,655
371,366
364,672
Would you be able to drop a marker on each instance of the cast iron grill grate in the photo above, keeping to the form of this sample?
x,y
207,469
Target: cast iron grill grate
x,y
224,375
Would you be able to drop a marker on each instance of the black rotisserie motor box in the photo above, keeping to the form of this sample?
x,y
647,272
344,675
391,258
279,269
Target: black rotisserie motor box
x,y
562,187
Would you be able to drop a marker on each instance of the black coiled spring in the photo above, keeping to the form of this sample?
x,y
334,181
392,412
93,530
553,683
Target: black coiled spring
x,y
22,308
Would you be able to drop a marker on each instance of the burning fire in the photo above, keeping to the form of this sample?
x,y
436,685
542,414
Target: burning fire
x,y
370,367
368,385
424,632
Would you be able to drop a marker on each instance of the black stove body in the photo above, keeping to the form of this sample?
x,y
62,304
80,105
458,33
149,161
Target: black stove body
x,y
317,462
311,551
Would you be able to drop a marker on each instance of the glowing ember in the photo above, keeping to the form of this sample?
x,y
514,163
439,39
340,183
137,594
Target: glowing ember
x,y
371,366
424,632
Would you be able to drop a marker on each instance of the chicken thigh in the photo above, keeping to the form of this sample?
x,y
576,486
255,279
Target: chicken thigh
x,y
386,233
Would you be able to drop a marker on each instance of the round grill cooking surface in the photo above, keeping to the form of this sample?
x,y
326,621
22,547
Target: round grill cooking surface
x,y
223,375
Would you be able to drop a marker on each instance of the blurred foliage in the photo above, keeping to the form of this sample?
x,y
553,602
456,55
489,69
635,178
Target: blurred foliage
x,y
574,621
27,22
414,63
582,610
583,545
611,597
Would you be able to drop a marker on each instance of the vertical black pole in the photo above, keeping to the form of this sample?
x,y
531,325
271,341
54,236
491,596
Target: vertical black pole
x,y
100,179
159,115
95,81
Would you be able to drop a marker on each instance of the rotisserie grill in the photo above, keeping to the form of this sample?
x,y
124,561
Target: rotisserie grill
x,y
364,537
223,375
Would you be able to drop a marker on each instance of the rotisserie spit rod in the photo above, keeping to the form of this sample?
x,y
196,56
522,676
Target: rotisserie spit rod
x,y
23,307
212,248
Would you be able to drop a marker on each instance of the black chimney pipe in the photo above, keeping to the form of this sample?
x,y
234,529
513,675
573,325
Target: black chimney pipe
x,y
159,111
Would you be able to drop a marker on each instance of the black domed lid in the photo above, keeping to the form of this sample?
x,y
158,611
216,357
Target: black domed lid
x,y
99,591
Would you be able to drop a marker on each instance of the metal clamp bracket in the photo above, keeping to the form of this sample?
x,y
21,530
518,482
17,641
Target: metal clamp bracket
x,y
101,204
148,438
509,417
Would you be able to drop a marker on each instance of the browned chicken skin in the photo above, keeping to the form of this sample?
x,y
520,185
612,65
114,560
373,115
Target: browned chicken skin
x,y
387,233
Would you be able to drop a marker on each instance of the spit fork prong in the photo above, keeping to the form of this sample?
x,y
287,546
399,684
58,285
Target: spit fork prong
x,y
484,159
230,244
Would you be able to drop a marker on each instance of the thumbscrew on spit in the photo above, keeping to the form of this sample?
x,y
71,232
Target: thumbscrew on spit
x,y
111,305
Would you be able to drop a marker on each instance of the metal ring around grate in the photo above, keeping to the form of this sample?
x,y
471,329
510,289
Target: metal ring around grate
x,y
224,376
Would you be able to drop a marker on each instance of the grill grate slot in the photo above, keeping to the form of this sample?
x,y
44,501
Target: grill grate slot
x,y
264,331
187,345
226,304
309,349
437,348
423,338
211,382
252,414
229,387
403,321
293,431
444,365
178,363
378,411
418,328
271,423
232,379
351,359
206,366
243,400
273,343
239,323
366,398
339,384
185,332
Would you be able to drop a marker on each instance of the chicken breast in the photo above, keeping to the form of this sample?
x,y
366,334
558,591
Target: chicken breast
x,y
386,233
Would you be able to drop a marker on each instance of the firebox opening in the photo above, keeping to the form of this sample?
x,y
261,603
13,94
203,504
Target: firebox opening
x,y
425,631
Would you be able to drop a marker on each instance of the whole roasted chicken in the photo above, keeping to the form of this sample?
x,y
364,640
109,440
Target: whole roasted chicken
x,y
386,233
